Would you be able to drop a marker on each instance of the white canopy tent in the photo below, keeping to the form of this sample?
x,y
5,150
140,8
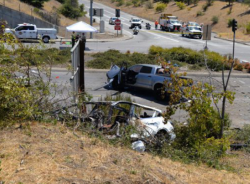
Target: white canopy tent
x,y
81,27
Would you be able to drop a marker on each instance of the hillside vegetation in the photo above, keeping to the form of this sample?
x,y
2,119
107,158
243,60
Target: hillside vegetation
x,y
218,9
44,153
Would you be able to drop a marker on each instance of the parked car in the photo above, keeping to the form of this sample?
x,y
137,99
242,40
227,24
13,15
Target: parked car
x,y
144,76
30,31
112,20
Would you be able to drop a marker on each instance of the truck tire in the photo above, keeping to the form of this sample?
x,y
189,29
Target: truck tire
x,y
46,39
182,34
200,37
158,92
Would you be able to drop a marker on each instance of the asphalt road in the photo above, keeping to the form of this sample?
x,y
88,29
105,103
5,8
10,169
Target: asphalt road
x,y
239,111
146,38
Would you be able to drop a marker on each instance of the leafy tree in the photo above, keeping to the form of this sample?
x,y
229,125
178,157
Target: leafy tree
x,y
24,95
230,2
36,3
61,1
163,1
71,9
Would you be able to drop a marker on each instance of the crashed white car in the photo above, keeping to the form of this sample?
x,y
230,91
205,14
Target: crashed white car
x,y
112,116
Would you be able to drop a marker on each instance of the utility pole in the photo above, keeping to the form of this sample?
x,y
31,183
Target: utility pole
x,y
91,17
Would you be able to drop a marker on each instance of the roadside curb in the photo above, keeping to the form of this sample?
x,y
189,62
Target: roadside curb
x,y
189,73
123,38
236,41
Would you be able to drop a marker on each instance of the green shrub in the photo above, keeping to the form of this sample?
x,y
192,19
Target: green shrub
x,y
136,3
214,60
199,13
205,7
129,3
248,28
104,60
36,10
70,11
120,2
160,7
239,67
156,50
36,3
229,22
215,19
194,67
199,139
181,5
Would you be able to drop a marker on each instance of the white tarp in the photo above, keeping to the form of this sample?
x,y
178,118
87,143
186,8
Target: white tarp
x,y
81,27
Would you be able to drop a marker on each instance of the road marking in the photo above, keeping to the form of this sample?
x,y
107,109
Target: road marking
x,y
242,82
160,36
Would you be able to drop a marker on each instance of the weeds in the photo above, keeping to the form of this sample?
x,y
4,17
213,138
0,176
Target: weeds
x,y
199,13
160,7
181,5
247,28
215,19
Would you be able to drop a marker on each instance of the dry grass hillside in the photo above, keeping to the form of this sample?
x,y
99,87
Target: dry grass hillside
x,y
45,153
239,11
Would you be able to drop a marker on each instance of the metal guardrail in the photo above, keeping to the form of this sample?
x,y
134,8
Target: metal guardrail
x,y
75,63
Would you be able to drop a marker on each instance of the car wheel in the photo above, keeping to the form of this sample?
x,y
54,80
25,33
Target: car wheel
x,y
45,39
182,34
200,37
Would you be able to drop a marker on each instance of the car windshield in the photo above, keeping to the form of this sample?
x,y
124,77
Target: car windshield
x,y
136,20
193,24
174,22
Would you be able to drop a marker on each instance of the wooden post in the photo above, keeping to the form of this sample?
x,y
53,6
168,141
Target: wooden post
x,y
81,73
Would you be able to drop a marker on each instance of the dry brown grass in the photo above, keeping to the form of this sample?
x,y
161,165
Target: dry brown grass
x,y
52,154
218,9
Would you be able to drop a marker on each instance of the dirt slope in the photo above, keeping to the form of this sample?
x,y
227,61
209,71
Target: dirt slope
x,y
53,154
240,12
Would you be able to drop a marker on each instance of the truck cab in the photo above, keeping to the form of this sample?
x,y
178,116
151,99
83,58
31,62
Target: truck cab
x,y
169,23
26,31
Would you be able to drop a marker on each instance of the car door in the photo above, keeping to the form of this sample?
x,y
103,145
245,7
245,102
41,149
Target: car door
x,y
20,32
31,33
132,74
144,78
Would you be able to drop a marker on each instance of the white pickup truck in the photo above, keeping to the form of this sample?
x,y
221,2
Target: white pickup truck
x,y
144,76
169,23
30,31
135,22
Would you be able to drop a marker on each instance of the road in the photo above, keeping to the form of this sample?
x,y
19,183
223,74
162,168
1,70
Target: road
x,y
146,38
239,111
